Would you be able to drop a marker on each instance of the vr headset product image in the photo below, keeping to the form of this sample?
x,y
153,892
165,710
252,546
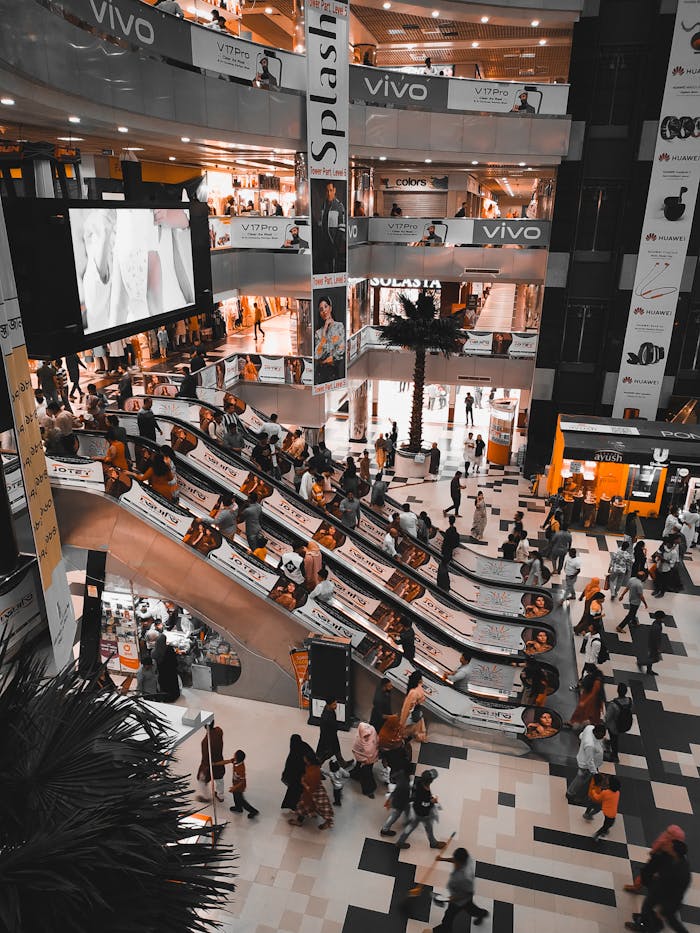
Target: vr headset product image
x,y
648,354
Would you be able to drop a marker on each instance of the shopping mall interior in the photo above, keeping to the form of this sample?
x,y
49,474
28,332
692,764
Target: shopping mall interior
x,y
351,461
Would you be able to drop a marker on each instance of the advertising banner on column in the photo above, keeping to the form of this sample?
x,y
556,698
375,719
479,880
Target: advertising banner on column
x,y
668,220
327,121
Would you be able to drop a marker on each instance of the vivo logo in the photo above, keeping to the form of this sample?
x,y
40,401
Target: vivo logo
x,y
507,231
386,88
141,27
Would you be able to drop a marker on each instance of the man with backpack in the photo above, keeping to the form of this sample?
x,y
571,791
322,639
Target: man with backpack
x,y
618,719
424,804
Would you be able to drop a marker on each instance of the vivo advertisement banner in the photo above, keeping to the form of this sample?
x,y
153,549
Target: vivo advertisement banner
x,y
327,129
668,221
396,89
458,231
262,67
370,624
507,97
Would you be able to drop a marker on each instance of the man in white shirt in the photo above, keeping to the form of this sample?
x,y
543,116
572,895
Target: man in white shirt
x,y
307,481
571,570
592,643
469,453
589,759
460,677
273,431
389,544
292,565
323,591
522,551
408,521
673,524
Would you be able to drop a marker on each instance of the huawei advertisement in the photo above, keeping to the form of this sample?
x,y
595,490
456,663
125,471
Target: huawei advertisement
x,y
104,272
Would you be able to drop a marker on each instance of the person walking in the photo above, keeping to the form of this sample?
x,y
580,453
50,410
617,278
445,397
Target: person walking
x,y
534,575
654,642
381,704
589,708
424,803
213,740
667,877
450,540
364,466
635,588
328,743
314,799
588,760
73,366
571,568
239,785
479,519
399,800
469,408
469,453
163,341
590,590
603,794
666,559
456,488
631,526
460,886
365,750
663,843
619,568
479,449
380,452
559,545
639,558
257,317
619,717
434,461
293,771
146,420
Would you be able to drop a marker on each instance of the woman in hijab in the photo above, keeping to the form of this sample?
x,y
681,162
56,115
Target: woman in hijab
x,y
214,737
167,675
366,751
394,751
534,681
294,768
587,596
589,710
314,799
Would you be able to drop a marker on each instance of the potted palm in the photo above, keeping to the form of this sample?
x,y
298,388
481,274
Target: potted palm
x,y
420,329
91,832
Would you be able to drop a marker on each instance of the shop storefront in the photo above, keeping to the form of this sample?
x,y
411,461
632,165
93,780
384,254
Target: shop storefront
x,y
609,467
235,193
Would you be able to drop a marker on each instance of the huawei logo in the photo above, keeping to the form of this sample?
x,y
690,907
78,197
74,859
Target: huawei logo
x,y
638,311
664,157
627,379
678,70
650,236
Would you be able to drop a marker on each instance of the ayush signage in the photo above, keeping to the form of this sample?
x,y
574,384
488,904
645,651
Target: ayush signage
x,y
668,219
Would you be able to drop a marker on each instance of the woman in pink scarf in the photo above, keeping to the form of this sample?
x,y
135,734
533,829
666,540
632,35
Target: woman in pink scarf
x,y
366,752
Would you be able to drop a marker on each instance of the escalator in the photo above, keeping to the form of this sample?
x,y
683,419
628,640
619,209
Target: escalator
x,y
181,554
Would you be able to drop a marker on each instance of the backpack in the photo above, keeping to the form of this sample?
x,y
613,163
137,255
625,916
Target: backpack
x,y
546,574
603,654
625,718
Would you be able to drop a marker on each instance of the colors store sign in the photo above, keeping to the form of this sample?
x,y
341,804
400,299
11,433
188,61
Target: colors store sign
x,y
668,219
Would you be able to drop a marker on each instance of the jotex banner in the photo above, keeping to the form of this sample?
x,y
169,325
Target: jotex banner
x,y
327,126
668,220
264,68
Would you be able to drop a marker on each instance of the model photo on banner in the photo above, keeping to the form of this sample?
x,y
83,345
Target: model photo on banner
x,y
329,334
328,200
131,264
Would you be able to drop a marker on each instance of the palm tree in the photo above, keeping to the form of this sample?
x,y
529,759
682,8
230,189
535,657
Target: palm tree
x,y
91,836
420,329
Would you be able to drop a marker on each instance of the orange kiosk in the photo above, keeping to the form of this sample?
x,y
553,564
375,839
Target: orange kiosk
x,y
501,427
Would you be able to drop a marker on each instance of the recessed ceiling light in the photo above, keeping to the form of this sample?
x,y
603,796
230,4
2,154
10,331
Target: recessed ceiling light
x,y
184,139
428,161
543,41
535,22
522,164
269,11
133,148
475,45
172,159
435,14
68,139
474,162
484,19
382,158
122,129
7,101
74,119
386,6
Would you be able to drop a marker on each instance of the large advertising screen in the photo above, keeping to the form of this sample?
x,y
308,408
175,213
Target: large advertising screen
x,y
131,264
107,269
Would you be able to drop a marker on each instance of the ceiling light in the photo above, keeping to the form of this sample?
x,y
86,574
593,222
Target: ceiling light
x,y
484,19
522,164
382,158
122,129
184,139
172,159
7,101
133,148
428,161
474,162
543,41
269,11
74,119
435,14
475,45
67,139
411,45
535,22
386,6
